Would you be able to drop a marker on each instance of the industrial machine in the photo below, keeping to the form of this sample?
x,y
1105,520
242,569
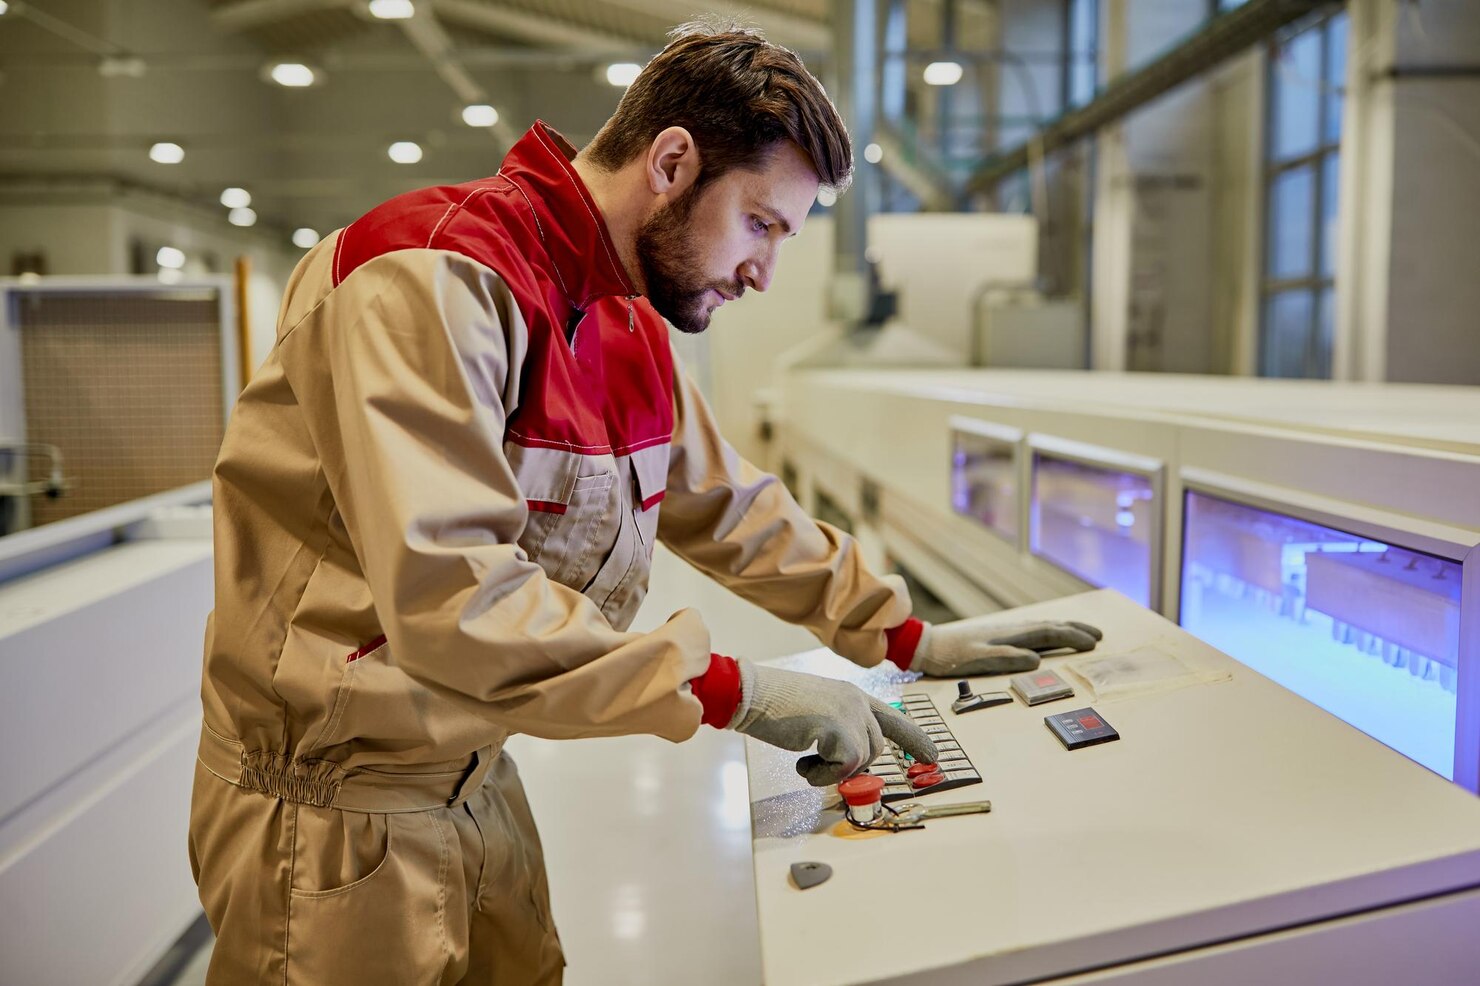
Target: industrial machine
x,y
1179,818
1326,536
100,630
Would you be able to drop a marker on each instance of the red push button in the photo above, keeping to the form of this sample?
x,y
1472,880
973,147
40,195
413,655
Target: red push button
x,y
861,789
916,769
928,780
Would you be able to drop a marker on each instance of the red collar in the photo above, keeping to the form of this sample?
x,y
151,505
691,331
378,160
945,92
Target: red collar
x,y
570,225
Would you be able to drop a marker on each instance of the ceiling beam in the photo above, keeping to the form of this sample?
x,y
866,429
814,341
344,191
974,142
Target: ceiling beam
x,y
511,56
792,30
542,30
24,187
248,14
427,35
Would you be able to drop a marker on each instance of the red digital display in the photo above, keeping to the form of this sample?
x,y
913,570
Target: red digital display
x,y
1090,722
1045,679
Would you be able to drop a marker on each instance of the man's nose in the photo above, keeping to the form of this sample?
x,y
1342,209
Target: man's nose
x,y
757,273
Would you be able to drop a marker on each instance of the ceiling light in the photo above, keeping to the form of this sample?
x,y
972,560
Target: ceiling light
x,y
121,67
170,258
942,73
303,237
170,275
294,75
480,115
826,198
241,217
3,7
405,152
236,198
873,154
622,73
166,153
392,10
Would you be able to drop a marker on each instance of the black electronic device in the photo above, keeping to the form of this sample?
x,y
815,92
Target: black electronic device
x,y
1082,727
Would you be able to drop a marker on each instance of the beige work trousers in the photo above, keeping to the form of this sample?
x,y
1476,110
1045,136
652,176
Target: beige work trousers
x,y
299,894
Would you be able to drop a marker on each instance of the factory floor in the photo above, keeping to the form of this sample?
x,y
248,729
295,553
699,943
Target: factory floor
x,y
647,842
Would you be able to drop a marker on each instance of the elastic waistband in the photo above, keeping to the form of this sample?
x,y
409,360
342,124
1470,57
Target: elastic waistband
x,y
328,785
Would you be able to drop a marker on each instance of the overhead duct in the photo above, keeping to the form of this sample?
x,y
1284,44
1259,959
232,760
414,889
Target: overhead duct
x,y
915,168
1225,36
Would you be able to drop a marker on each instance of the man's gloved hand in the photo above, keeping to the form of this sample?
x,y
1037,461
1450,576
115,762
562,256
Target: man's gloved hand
x,y
793,711
983,645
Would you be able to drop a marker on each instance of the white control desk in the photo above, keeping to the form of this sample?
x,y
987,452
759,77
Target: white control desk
x,y
1234,834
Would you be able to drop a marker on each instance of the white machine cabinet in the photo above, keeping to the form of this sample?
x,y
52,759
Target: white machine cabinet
x,y
1234,834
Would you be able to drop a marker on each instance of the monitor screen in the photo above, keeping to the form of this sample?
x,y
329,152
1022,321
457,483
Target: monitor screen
x,y
984,482
1095,522
1366,630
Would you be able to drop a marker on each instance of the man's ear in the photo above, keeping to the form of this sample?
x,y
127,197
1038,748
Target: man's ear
x,y
672,163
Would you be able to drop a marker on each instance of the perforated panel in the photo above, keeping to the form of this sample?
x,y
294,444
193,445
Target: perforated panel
x,y
127,384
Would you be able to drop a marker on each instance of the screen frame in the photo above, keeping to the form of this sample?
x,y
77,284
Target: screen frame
x,y
1440,540
1111,460
1009,438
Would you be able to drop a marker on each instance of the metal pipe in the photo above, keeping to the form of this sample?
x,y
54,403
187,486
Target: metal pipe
x,y
855,69
1432,72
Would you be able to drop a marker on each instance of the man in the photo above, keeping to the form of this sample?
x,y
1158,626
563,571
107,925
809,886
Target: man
x,y
435,510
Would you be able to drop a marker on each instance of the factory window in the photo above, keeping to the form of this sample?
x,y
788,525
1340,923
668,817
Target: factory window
x,y
1306,73
1081,52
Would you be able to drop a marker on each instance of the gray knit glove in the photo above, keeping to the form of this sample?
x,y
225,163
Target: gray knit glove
x,y
984,645
793,711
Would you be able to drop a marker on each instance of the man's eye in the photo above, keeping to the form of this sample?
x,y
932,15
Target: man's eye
x,y
757,225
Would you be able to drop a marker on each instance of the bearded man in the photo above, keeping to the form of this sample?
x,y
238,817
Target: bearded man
x,y
435,510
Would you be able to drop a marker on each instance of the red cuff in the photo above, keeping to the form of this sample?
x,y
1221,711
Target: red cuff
x,y
903,640
718,690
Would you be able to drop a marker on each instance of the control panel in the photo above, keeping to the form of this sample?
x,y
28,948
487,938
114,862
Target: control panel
x,y
903,778
1032,809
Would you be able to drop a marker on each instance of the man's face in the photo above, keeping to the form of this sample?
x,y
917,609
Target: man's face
x,y
712,242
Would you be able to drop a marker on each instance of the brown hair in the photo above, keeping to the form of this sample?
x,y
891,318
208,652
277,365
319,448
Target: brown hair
x,y
738,94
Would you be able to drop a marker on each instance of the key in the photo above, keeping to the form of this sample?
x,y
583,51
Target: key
x,y
912,812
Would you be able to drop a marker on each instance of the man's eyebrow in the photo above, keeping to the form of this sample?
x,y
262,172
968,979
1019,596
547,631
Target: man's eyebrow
x,y
776,215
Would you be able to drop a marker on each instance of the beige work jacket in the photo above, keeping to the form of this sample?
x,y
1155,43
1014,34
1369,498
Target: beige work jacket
x,y
405,574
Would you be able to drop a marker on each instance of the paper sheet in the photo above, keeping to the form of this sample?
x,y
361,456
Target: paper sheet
x,y
1145,670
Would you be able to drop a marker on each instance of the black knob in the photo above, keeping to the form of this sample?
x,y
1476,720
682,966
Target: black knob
x,y
964,687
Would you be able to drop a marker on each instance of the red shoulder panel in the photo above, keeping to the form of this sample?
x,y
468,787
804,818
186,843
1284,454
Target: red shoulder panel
x,y
612,392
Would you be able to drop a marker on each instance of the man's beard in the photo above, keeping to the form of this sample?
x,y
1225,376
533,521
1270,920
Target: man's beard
x,y
668,252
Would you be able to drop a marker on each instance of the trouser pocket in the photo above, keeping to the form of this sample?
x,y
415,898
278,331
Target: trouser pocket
x,y
367,898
